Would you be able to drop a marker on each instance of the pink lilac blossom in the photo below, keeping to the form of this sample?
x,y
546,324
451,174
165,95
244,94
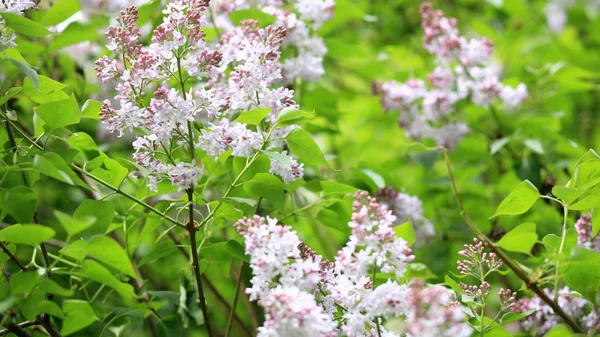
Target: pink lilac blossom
x,y
585,236
304,295
477,260
238,74
543,318
434,313
283,282
407,208
463,73
307,64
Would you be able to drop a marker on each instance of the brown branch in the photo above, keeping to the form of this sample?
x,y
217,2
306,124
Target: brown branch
x,y
507,260
22,325
191,228
12,257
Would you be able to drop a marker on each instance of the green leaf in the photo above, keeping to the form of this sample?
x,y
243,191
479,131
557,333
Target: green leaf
x,y
303,145
60,113
520,239
582,272
552,242
52,165
23,283
263,18
111,171
49,286
567,194
109,252
19,202
331,187
498,144
519,200
96,272
80,315
157,252
10,93
590,201
226,211
83,143
406,232
24,26
76,250
510,317
253,117
559,331
289,116
534,145
45,166
60,11
26,234
375,177
586,174
102,211
47,90
75,33
91,109
267,186
73,226
236,250
497,331
28,71
285,160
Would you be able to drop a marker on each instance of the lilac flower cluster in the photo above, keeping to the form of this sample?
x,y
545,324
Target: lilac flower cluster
x,y
305,295
585,236
407,208
7,35
301,19
463,72
214,84
478,263
543,318
435,314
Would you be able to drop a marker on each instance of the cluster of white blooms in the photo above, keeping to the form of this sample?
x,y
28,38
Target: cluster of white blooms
x,y
462,73
407,208
301,19
304,295
215,83
7,35
543,318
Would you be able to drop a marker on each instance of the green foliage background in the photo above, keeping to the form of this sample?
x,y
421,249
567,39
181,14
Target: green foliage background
x,y
368,40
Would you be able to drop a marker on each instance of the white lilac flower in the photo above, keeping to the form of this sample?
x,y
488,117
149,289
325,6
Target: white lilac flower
x,y
289,169
423,111
407,208
229,135
16,6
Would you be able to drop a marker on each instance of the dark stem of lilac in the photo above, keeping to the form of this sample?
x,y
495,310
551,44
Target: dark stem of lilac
x,y
507,260
191,227
12,257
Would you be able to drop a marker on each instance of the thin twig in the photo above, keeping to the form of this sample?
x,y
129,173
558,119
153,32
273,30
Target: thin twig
x,y
17,330
12,257
236,296
191,227
22,325
507,260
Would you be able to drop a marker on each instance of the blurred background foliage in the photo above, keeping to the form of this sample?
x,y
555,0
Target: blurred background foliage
x,y
368,40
